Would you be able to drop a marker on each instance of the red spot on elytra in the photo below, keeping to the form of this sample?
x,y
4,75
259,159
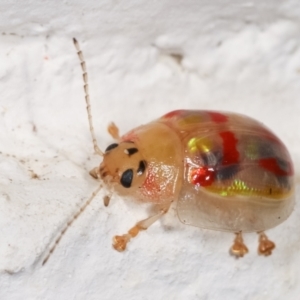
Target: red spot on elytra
x,y
173,113
203,176
217,117
271,164
230,152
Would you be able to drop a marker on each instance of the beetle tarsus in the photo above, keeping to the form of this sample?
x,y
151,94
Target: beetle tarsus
x,y
120,241
238,249
265,246
106,200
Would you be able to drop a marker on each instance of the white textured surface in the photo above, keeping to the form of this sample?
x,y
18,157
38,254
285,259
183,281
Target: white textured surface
x,y
237,56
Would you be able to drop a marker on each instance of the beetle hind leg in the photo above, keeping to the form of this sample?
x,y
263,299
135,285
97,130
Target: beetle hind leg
x,y
265,246
238,249
120,241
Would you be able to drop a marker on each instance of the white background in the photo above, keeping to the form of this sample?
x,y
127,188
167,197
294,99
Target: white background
x,y
241,56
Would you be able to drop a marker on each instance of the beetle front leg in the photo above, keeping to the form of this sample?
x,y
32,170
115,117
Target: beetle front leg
x,y
120,241
113,130
238,249
265,246
95,173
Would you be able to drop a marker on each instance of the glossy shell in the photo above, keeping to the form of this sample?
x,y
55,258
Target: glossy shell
x,y
238,176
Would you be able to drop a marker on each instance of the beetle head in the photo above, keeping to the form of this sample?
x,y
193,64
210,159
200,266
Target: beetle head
x,y
123,164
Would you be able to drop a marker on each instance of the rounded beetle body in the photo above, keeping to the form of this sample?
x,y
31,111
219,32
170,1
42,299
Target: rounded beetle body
x,y
227,171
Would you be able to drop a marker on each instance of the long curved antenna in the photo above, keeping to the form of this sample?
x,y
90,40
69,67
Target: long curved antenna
x,y
87,97
70,222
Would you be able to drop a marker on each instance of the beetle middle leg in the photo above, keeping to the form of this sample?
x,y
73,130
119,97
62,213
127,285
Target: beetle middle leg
x,y
265,246
120,241
238,249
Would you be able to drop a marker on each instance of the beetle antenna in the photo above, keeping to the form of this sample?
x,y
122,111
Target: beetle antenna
x,y
87,97
70,222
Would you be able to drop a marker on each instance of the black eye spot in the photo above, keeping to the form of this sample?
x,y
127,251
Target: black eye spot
x,y
131,151
142,167
112,146
126,178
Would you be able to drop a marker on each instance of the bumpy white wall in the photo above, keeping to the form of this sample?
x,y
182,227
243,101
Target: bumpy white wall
x,y
241,56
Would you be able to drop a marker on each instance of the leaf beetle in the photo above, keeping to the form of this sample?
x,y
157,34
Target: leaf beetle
x,y
227,172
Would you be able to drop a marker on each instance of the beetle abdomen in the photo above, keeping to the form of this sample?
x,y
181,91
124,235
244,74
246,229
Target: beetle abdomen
x,y
238,213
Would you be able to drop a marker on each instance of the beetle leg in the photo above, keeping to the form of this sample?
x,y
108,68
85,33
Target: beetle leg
x,y
106,198
113,130
95,173
265,246
120,241
238,249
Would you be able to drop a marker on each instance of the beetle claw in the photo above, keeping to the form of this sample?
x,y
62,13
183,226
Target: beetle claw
x,y
120,242
238,249
265,246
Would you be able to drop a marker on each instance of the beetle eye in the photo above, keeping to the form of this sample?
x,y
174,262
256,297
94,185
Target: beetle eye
x,y
110,147
126,178
131,151
142,167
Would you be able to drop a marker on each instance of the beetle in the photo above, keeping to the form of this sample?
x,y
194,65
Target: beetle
x,y
227,172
